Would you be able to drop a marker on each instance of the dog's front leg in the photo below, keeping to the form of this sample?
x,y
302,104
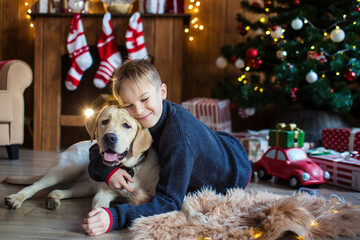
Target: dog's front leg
x,y
103,197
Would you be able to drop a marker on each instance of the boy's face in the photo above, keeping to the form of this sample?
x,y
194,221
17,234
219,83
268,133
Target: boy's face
x,y
144,103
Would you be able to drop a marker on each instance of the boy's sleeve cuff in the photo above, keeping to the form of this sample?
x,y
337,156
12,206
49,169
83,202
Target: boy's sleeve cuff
x,y
110,175
111,219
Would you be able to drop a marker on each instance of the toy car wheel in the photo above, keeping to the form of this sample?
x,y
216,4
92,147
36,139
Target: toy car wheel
x,y
262,174
294,182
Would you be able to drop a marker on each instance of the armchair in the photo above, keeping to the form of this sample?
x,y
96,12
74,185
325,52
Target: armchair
x,y
15,77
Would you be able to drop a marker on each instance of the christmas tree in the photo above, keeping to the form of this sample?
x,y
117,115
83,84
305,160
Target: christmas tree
x,y
300,52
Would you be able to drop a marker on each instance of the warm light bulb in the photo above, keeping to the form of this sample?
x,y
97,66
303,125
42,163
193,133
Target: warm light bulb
x,y
31,25
196,10
245,82
344,16
26,4
267,32
89,112
261,90
201,27
313,223
312,47
186,30
262,19
197,3
267,9
335,211
337,27
29,11
196,26
247,68
191,6
354,23
192,1
325,34
191,38
337,73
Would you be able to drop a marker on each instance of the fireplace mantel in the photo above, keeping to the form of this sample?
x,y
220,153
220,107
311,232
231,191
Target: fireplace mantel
x,y
164,42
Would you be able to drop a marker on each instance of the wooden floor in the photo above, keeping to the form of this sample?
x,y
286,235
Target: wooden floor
x,y
34,221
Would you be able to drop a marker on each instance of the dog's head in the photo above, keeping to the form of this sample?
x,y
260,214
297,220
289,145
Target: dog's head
x,y
118,134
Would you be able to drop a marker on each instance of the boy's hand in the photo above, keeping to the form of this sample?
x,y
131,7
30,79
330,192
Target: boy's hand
x,y
97,223
120,180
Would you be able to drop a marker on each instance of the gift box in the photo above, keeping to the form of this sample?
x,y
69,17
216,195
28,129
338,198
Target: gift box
x,y
174,6
255,143
343,172
341,139
152,6
214,113
286,136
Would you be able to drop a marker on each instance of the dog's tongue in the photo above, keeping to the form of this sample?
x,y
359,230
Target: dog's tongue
x,y
110,157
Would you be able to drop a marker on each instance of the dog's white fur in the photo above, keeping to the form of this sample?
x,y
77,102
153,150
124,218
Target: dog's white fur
x,y
72,167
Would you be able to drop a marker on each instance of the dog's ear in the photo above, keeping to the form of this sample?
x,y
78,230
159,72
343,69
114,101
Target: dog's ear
x,y
142,141
91,124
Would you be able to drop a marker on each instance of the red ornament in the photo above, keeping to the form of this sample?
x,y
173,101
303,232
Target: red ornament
x,y
296,2
242,29
233,58
233,106
251,53
350,76
357,9
255,4
273,28
267,3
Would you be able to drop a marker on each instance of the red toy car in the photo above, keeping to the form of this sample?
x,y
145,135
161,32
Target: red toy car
x,y
291,164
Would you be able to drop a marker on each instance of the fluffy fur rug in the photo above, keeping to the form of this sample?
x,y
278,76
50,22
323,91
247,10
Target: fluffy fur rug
x,y
255,215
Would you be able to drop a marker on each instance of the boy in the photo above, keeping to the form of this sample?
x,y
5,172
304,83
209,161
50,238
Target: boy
x,y
191,155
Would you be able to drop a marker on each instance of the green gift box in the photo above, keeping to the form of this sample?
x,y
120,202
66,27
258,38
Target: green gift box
x,y
286,138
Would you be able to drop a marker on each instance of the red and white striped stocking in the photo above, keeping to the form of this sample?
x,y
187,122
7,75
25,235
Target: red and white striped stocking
x,y
135,41
79,53
110,58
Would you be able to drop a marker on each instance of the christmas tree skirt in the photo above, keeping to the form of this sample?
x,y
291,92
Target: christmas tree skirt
x,y
255,215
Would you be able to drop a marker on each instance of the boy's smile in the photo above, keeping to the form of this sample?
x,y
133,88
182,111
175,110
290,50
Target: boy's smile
x,y
144,103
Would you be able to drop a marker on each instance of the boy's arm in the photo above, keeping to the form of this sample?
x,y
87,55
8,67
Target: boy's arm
x,y
98,171
115,177
171,189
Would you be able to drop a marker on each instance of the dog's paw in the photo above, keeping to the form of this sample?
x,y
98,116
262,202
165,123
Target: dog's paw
x,y
52,203
13,201
197,217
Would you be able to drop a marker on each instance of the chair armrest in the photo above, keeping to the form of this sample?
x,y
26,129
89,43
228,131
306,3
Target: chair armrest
x,y
6,109
15,75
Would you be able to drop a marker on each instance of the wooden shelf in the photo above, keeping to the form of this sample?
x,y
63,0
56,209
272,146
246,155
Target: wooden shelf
x,y
72,121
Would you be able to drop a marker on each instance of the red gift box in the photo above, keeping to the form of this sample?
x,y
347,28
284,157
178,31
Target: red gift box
x,y
341,139
174,6
343,172
214,113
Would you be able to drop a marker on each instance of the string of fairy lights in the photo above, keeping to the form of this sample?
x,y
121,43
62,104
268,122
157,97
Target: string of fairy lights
x,y
193,8
28,12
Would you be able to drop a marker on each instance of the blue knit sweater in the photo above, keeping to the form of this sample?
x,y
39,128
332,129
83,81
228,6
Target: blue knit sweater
x,y
191,156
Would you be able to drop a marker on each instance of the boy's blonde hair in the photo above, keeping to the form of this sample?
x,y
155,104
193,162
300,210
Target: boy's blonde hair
x,y
138,72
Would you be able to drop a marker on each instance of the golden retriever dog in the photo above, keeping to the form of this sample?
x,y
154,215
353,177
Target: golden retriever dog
x,y
122,141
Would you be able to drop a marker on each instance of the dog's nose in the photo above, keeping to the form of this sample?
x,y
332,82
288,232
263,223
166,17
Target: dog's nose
x,y
110,138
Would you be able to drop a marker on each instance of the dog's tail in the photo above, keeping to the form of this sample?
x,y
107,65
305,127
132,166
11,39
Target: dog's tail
x,y
22,180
